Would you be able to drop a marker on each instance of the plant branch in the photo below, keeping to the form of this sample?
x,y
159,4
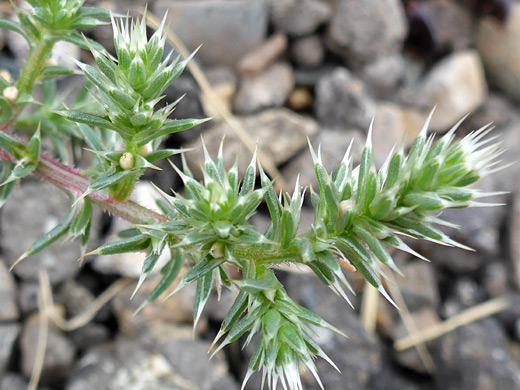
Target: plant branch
x,y
34,64
73,183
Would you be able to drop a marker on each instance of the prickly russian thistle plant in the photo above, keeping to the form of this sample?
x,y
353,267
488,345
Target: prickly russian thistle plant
x,y
359,211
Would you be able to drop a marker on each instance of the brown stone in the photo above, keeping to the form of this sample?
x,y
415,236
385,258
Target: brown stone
x,y
260,58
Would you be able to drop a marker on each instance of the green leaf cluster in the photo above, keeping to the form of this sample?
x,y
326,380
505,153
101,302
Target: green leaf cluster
x,y
130,86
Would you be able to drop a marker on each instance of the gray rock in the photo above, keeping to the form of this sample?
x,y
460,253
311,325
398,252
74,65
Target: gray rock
x,y
190,358
506,179
392,124
419,288
499,47
465,293
391,379
299,17
32,210
495,278
228,29
510,315
12,381
476,357
220,74
496,109
59,353
309,51
90,335
334,144
223,81
308,78
177,308
287,128
28,297
385,75
455,260
514,237
358,357
264,90
479,228
342,100
3,34
74,297
124,365
216,309
452,24
8,336
456,85
168,359
363,31
8,307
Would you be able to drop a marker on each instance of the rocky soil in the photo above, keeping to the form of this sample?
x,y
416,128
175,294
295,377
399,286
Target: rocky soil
x,y
291,69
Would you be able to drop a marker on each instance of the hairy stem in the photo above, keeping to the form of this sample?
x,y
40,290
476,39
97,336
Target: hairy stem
x,y
34,64
73,183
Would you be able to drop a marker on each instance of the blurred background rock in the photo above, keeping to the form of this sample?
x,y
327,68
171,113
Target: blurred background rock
x,y
291,69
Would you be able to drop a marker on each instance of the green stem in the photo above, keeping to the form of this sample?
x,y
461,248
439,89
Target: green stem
x,y
266,256
34,64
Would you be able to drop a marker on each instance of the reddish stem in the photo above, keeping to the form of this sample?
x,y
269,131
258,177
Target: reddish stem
x,y
74,184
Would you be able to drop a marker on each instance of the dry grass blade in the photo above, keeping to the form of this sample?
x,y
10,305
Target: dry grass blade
x,y
47,313
369,306
153,22
473,314
409,323
43,299
88,315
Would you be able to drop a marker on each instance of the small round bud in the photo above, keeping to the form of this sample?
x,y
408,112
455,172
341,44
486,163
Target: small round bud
x,y
11,94
217,250
6,75
347,205
146,150
344,263
127,161
51,62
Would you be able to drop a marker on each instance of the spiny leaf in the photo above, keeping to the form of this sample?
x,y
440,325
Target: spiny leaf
x,y
13,26
48,238
83,117
208,264
81,220
202,293
132,244
170,127
170,272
